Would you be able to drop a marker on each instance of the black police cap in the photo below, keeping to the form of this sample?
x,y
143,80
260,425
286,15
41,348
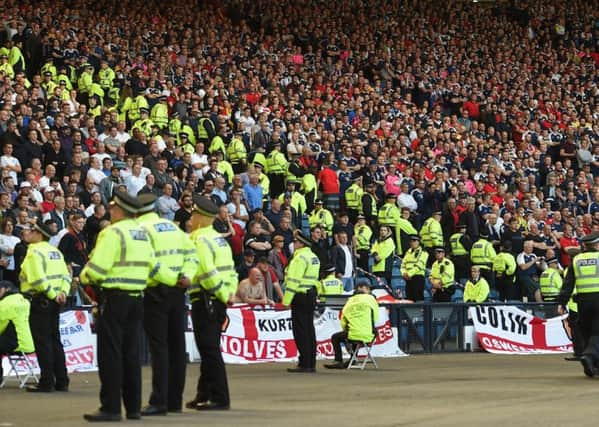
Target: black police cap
x,y
147,202
204,206
126,202
44,230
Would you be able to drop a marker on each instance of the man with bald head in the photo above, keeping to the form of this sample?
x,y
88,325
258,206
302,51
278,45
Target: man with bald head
x,y
251,290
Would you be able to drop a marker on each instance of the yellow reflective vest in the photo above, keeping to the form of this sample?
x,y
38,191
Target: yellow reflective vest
x,y
298,202
482,254
276,163
353,197
216,271
444,271
414,262
159,115
330,285
301,274
105,77
403,227
44,271
431,233
586,271
322,217
236,151
363,235
550,282
358,317
384,249
504,263
15,308
172,247
124,259
457,249
476,292
389,214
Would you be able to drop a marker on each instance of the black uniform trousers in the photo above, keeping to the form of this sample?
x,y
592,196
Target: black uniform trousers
x,y
164,323
507,288
43,321
119,328
462,266
588,312
576,336
302,319
336,339
444,294
415,288
277,184
208,316
363,259
8,343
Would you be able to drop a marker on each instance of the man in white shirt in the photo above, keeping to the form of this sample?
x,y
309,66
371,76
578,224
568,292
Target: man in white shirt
x,y
343,261
166,204
135,181
405,199
121,133
199,160
95,173
45,180
9,162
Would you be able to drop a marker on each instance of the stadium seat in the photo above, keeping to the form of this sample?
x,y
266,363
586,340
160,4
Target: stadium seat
x,y
16,361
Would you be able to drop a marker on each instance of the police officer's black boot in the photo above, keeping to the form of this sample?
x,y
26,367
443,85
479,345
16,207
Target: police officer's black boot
x,y
590,356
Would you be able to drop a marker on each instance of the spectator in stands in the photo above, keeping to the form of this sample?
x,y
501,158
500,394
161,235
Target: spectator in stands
x,y
251,290
270,280
528,272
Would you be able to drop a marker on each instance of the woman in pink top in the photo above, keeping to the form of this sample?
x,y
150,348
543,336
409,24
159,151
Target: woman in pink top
x,y
392,181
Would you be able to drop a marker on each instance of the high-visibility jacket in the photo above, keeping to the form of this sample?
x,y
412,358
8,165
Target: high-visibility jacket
x,y
95,111
15,56
226,169
308,186
550,282
322,217
144,125
124,259
172,247
301,274
44,271
370,201
504,263
586,272
476,292
457,249
298,202
389,214
134,105
217,144
414,262
8,70
353,197
49,87
265,184
431,233
216,272
64,78
330,285
174,127
443,270
236,151
49,66
159,115
403,229
276,163
96,89
106,77
363,235
203,133
14,309
358,317
384,249
482,254
84,82
260,159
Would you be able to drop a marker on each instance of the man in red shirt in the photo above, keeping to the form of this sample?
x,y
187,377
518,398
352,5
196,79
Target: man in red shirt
x,y
48,202
328,181
566,242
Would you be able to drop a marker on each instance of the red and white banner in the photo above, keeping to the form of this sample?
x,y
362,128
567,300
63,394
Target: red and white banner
x,y
78,341
509,330
253,336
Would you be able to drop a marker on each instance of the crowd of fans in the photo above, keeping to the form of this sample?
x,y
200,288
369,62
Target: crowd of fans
x,y
269,107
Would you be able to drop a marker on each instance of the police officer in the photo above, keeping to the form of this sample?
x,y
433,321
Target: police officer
x,y
276,165
330,284
412,269
550,280
442,277
578,343
353,200
302,280
482,254
582,277
213,287
120,266
45,279
403,231
165,313
382,252
477,288
432,235
460,245
358,317
323,217
369,205
363,236
15,334
504,267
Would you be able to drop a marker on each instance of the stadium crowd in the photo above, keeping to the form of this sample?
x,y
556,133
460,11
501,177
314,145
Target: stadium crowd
x,y
388,128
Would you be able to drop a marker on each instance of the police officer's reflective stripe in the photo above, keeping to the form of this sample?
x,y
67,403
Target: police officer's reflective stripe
x,y
41,255
125,280
207,242
590,273
131,264
123,244
51,277
154,271
167,252
214,272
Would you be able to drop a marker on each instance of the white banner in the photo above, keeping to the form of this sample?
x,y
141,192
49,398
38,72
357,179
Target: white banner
x,y
78,341
251,336
509,330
